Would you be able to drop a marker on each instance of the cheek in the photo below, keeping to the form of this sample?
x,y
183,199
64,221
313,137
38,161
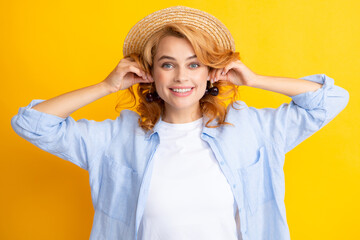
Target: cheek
x,y
203,86
160,85
160,80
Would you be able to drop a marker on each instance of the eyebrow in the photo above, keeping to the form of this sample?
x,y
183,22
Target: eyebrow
x,y
168,57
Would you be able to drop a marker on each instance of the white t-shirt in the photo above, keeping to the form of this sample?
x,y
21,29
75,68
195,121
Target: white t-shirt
x,y
189,197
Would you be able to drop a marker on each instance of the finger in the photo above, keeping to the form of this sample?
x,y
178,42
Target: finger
x,y
141,80
218,74
137,71
209,76
146,78
149,77
227,68
130,59
125,60
212,77
137,65
222,76
224,72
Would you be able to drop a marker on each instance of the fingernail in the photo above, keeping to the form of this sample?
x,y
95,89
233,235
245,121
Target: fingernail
x,y
208,78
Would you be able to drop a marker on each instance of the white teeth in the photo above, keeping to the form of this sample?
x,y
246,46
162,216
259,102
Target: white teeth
x,y
181,90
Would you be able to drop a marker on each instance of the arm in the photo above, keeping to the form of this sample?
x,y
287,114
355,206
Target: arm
x,y
284,85
124,75
239,74
309,111
315,102
47,124
67,103
79,142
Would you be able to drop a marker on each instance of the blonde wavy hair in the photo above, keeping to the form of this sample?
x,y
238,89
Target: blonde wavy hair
x,y
207,52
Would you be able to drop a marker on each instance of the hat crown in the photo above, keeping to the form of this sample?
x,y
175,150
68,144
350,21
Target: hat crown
x,y
138,35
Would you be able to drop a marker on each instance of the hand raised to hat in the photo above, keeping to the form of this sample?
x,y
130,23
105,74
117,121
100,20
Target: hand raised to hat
x,y
235,72
126,74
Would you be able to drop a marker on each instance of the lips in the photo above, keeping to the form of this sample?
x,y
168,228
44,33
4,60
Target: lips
x,y
182,89
180,92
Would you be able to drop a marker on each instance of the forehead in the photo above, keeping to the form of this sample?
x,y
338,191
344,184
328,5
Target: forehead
x,y
174,45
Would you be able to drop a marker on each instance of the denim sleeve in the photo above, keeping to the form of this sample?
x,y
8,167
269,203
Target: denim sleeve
x,y
291,123
79,142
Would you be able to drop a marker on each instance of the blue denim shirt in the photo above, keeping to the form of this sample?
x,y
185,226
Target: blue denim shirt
x,y
118,156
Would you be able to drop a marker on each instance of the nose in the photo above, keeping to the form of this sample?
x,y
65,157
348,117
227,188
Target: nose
x,y
181,74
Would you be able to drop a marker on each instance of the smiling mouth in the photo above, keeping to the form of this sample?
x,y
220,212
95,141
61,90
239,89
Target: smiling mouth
x,y
181,90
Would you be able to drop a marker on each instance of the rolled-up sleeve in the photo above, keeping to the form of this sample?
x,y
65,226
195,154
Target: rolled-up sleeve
x,y
79,141
291,123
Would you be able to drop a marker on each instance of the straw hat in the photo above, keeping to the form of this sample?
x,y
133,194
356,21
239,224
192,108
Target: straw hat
x,y
138,35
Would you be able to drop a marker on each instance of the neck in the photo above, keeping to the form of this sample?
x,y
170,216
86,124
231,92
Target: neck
x,y
181,116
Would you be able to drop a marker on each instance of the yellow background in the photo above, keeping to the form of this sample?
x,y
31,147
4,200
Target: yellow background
x,y
52,47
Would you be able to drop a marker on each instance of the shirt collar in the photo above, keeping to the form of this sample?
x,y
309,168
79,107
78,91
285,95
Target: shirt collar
x,y
212,132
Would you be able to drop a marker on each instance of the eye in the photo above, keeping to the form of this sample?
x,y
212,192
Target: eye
x,y
168,64
165,64
195,64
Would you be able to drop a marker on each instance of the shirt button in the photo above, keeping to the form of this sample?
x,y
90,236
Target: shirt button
x,y
234,186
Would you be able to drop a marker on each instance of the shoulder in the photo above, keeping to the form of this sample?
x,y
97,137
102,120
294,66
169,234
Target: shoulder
x,y
237,108
243,115
126,113
237,105
128,117
128,123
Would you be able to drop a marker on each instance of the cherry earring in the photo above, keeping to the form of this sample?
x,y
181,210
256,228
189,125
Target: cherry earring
x,y
150,97
214,91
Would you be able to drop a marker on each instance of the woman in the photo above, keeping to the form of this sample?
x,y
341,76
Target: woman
x,y
187,166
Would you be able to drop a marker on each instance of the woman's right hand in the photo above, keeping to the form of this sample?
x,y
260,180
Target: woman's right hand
x,y
126,74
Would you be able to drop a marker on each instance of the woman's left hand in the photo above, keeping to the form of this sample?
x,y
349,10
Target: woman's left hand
x,y
235,72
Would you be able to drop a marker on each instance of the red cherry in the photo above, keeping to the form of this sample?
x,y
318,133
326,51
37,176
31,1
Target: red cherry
x,y
214,91
149,97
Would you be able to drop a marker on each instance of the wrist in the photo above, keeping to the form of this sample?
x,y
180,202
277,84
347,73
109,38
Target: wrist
x,y
107,88
255,81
